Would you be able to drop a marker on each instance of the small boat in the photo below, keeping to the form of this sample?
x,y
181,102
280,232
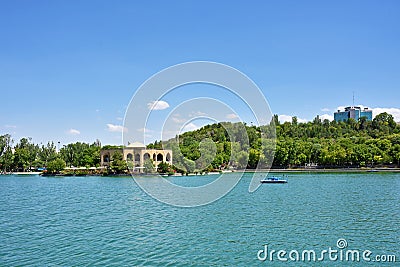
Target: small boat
x,y
273,180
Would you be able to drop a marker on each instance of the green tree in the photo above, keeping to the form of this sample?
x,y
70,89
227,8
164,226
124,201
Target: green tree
x,y
384,123
81,154
189,165
118,164
6,155
253,157
25,154
148,166
47,153
208,151
164,167
56,166
327,143
242,159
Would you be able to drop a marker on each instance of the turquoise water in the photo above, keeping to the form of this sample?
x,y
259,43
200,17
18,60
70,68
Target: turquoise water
x,y
98,221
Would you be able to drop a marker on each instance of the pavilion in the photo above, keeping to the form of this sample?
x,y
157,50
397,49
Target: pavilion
x,y
137,154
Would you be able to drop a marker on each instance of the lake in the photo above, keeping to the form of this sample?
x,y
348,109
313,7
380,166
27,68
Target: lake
x,y
109,221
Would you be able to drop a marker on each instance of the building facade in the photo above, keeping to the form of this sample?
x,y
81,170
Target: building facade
x,y
354,113
137,154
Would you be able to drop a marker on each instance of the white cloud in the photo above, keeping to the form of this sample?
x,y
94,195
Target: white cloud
x,y
10,126
190,127
157,105
326,116
197,114
116,128
168,134
325,109
395,112
232,116
145,130
73,132
176,119
288,118
284,118
119,118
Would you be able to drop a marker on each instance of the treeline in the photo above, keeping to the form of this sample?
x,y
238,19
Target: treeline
x,y
339,144
324,143
27,156
224,145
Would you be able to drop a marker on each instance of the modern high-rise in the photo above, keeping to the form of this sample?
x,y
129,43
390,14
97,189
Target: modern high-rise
x,y
354,113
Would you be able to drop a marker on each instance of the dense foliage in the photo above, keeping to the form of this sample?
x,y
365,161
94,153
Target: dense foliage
x,y
223,145
26,155
148,166
81,154
118,164
344,144
56,166
323,143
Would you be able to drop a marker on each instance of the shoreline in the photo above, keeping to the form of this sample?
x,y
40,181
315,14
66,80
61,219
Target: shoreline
x,y
344,170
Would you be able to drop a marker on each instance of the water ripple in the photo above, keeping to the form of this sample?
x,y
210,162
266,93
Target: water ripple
x,y
108,221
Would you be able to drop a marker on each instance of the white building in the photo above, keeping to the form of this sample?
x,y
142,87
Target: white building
x,y
137,154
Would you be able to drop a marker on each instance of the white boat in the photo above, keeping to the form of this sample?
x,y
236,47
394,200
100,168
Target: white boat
x,y
273,180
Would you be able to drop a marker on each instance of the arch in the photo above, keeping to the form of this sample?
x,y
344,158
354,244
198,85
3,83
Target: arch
x,y
154,157
168,157
160,157
129,157
106,158
146,156
137,157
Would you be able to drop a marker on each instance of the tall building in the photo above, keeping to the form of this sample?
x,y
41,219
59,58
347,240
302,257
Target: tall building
x,y
354,113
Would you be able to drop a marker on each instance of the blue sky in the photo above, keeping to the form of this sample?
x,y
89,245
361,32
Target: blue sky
x,y
68,69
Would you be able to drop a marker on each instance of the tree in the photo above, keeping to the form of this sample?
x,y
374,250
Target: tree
x,y
67,153
164,167
156,145
47,153
118,164
56,166
294,121
384,122
327,143
6,155
208,150
254,157
242,159
363,123
25,154
81,154
317,120
148,166
275,120
5,142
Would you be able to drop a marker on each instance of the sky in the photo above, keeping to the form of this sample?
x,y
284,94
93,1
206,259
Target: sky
x,y
69,69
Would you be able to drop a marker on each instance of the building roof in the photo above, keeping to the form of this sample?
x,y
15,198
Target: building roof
x,y
350,108
135,145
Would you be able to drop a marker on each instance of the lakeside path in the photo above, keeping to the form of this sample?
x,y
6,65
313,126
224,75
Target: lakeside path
x,y
363,170
345,170
22,173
